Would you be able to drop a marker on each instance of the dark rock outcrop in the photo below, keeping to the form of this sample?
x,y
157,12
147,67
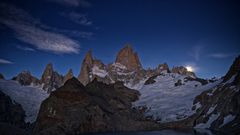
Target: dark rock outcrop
x,y
178,83
98,107
68,76
11,116
25,78
151,80
1,76
234,70
202,81
51,79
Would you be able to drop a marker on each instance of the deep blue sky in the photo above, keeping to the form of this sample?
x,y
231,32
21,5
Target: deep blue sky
x,y
204,34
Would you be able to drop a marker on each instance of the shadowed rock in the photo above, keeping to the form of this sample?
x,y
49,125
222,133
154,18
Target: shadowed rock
x,y
98,107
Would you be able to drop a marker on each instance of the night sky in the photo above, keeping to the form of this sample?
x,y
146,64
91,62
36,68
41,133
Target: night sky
x,y
203,34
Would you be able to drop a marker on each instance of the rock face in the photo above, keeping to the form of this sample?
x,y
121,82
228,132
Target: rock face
x,y
51,79
126,67
1,76
69,75
25,78
11,116
98,107
162,68
234,69
183,71
128,58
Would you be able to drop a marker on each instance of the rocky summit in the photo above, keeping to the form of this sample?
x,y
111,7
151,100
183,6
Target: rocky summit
x,y
96,107
128,58
89,66
25,78
51,79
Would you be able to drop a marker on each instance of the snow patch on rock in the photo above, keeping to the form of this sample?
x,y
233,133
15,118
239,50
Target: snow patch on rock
x,y
99,72
227,119
211,119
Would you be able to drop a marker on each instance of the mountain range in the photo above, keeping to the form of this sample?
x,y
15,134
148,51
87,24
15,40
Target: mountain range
x,y
119,96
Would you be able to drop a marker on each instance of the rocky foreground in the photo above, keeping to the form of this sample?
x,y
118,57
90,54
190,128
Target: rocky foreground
x,y
96,107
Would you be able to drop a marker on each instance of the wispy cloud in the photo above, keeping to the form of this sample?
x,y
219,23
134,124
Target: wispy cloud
x,y
31,31
25,48
73,3
196,51
222,55
78,18
4,61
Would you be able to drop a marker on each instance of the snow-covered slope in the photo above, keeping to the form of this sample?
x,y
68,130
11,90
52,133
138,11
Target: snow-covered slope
x,y
30,97
167,102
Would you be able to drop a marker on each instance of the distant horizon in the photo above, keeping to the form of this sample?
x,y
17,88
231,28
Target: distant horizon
x,y
203,35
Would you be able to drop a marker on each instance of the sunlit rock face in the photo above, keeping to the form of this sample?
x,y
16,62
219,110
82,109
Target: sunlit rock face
x,y
25,78
128,58
96,107
51,79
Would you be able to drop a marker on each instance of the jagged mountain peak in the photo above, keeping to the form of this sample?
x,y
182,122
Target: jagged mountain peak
x,y
51,79
26,78
48,71
127,57
88,57
88,65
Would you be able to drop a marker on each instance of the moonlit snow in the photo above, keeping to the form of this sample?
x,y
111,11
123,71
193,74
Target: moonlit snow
x,y
30,97
167,102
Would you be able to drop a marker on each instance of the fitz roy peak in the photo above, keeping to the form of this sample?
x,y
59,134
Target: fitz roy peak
x,y
128,58
126,68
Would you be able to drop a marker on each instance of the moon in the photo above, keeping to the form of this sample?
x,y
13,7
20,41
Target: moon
x,y
189,68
